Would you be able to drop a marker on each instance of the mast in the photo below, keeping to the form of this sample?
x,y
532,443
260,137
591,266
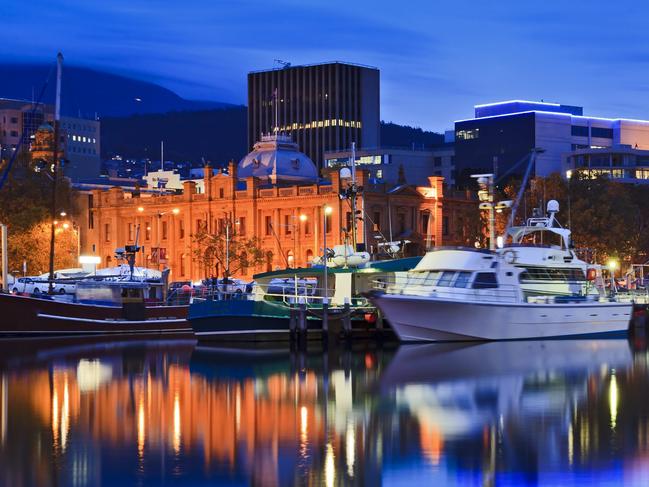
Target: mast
x,y
162,155
353,192
55,165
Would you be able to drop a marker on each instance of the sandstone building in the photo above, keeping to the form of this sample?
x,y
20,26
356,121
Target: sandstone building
x,y
274,193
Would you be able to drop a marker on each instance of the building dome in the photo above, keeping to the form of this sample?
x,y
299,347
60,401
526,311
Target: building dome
x,y
277,158
46,127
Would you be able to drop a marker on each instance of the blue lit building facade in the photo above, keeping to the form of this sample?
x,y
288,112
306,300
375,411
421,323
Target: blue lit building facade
x,y
501,134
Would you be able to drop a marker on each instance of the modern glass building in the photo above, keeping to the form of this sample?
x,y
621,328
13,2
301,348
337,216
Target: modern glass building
x,y
502,134
322,107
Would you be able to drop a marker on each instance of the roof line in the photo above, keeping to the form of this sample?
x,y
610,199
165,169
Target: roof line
x,y
558,114
517,101
281,68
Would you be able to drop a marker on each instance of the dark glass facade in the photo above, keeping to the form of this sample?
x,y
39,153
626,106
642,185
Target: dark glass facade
x,y
503,140
322,107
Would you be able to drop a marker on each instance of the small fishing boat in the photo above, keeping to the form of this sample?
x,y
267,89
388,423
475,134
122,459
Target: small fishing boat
x,y
97,308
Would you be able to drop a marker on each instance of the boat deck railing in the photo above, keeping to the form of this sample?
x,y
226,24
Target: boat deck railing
x,y
312,297
476,291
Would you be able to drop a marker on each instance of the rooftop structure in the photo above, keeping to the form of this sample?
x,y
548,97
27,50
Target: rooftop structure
x,y
275,159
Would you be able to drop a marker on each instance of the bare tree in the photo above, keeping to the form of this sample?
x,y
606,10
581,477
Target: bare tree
x,y
216,255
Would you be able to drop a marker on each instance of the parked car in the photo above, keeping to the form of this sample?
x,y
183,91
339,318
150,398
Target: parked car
x,y
23,284
65,282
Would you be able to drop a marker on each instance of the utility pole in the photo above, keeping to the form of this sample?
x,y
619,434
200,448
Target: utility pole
x,y
55,166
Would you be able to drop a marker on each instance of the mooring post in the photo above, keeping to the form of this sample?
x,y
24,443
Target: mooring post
x,y
292,322
325,317
347,319
302,325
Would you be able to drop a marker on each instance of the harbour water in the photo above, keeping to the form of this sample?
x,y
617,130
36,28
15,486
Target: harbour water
x,y
177,413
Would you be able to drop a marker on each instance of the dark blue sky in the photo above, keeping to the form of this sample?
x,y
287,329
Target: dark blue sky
x,y
437,59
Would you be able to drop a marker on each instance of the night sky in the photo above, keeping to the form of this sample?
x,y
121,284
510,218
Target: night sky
x,y
437,59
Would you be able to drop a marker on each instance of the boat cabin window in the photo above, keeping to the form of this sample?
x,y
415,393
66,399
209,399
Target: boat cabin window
x,y
552,274
446,278
462,279
542,238
485,280
432,278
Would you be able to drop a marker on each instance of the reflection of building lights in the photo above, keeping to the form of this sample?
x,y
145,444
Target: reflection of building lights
x,y
571,446
55,416
304,416
91,374
141,432
613,399
304,432
330,466
350,448
176,434
237,409
65,414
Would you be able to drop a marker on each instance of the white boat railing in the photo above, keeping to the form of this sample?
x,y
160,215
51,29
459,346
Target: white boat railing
x,y
502,293
312,297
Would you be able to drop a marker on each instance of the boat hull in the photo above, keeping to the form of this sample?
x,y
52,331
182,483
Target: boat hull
x,y
416,318
26,316
243,320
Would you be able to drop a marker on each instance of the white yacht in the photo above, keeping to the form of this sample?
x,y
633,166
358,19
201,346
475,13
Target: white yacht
x,y
527,289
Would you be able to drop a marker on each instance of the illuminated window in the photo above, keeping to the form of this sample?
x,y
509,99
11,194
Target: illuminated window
x,y
468,134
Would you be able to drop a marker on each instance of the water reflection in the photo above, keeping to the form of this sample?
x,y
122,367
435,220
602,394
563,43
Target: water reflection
x,y
557,412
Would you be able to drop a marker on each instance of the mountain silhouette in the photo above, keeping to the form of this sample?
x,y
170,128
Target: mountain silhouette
x,y
89,93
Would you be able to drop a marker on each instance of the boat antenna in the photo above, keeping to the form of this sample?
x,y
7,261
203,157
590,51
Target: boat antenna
x,y
521,191
55,165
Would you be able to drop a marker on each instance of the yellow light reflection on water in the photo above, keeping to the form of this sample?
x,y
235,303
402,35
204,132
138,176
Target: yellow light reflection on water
x,y
55,416
330,466
176,433
304,431
141,431
65,413
613,399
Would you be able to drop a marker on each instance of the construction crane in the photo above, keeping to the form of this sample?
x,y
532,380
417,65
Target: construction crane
x,y
284,64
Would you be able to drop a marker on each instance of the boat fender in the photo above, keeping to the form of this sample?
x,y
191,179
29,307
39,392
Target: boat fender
x,y
370,318
509,256
591,274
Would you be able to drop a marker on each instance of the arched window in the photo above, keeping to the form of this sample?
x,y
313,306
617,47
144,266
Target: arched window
x,y
183,270
290,258
109,260
309,256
